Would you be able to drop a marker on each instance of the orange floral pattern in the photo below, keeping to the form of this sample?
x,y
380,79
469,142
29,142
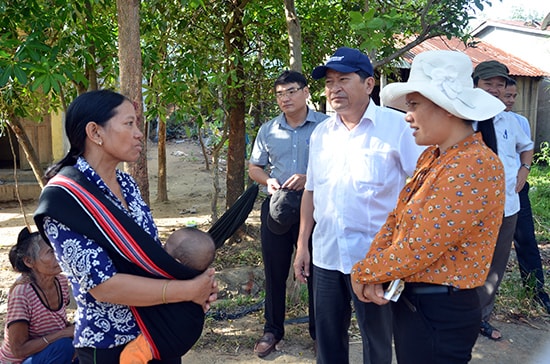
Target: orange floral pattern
x,y
446,222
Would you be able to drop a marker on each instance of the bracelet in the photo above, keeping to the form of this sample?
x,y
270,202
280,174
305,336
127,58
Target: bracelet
x,y
45,340
526,166
164,291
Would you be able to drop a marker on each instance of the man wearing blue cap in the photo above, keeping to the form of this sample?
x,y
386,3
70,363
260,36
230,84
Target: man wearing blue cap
x,y
359,160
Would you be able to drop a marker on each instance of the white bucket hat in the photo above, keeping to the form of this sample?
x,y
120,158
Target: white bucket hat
x,y
444,77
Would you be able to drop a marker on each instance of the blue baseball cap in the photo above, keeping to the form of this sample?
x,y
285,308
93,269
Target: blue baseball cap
x,y
345,60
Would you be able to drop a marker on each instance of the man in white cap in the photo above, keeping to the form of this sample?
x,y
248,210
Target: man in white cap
x,y
358,161
440,238
505,136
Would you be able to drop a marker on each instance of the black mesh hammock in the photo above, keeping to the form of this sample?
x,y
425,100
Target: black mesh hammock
x,y
234,217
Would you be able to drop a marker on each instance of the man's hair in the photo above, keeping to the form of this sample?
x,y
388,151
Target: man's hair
x,y
363,75
290,77
510,82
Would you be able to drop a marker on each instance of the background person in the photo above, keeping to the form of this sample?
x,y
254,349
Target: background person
x,y
509,140
353,155
37,329
525,242
279,161
441,236
102,130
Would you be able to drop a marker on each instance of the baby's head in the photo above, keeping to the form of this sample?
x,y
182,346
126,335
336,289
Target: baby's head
x,y
191,247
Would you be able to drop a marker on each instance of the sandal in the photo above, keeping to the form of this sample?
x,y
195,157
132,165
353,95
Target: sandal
x,y
487,330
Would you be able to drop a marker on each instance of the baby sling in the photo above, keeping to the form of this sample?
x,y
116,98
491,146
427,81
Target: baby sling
x,y
170,329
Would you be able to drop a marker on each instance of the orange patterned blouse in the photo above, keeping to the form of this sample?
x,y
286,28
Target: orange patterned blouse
x,y
446,222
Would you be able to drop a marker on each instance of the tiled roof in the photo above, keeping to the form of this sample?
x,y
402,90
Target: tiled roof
x,y
478,51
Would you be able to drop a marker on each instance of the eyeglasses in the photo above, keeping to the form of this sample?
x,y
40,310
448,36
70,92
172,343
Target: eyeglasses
x,y
290,92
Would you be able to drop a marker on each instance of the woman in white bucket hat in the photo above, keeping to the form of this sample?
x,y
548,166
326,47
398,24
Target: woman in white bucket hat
x,y
440,238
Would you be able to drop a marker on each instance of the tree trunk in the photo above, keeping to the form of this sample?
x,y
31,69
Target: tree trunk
x,y
295,49
294,36
129,55
234,39
162,189
215,184
203,148
15,125
91,72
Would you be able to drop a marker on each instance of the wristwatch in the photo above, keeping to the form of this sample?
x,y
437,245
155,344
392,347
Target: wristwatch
x,y
526,166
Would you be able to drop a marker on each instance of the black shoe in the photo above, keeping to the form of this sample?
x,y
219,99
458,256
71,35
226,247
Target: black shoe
x,y
546,305
544,301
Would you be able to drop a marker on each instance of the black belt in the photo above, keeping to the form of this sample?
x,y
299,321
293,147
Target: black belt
x,y
426,288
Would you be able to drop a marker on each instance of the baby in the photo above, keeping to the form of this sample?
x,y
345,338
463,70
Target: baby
x,y
191,247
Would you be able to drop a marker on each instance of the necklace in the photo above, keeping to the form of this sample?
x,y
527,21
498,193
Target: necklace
x,y
44,298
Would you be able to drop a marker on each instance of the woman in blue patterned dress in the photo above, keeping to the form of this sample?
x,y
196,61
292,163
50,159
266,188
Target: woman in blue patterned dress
x,y
102,130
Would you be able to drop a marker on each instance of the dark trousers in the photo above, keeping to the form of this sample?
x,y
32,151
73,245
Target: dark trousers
x,y
488,291
527,249
436,328
277,253
333,295
111,356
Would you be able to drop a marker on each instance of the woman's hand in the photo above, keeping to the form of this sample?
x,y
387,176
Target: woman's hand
x,y
23,346
369,293
205,289
67,331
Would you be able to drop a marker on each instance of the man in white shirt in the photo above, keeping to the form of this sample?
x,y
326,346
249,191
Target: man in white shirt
x,y
509,141
525,242
359,160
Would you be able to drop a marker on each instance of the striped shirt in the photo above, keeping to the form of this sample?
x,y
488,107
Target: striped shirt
x,y
24,304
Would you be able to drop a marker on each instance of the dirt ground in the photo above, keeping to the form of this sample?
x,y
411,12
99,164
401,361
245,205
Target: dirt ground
x,y
526,340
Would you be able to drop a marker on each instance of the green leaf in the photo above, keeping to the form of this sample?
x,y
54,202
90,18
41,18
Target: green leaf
x,y
5,76
38,82
20,74
376,23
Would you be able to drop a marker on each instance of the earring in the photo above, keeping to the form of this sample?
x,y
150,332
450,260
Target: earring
x,y
100,143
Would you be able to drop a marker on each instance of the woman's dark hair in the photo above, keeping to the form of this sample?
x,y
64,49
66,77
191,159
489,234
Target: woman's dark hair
x,y
488,134
97,106
27,246
487,129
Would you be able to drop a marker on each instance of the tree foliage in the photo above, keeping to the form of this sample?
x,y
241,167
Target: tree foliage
x,y
211,63
48,53
388,29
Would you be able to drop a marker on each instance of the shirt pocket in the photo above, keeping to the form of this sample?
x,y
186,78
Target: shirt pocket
x,y
369,169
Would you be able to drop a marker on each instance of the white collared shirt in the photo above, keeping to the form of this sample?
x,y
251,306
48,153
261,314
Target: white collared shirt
x,y
356,176
511,141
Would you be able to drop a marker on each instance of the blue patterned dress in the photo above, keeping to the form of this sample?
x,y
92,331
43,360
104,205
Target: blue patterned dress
x,y
98,324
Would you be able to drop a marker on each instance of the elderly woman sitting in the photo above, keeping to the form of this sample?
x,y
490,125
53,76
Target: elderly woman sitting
x,y
36,324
